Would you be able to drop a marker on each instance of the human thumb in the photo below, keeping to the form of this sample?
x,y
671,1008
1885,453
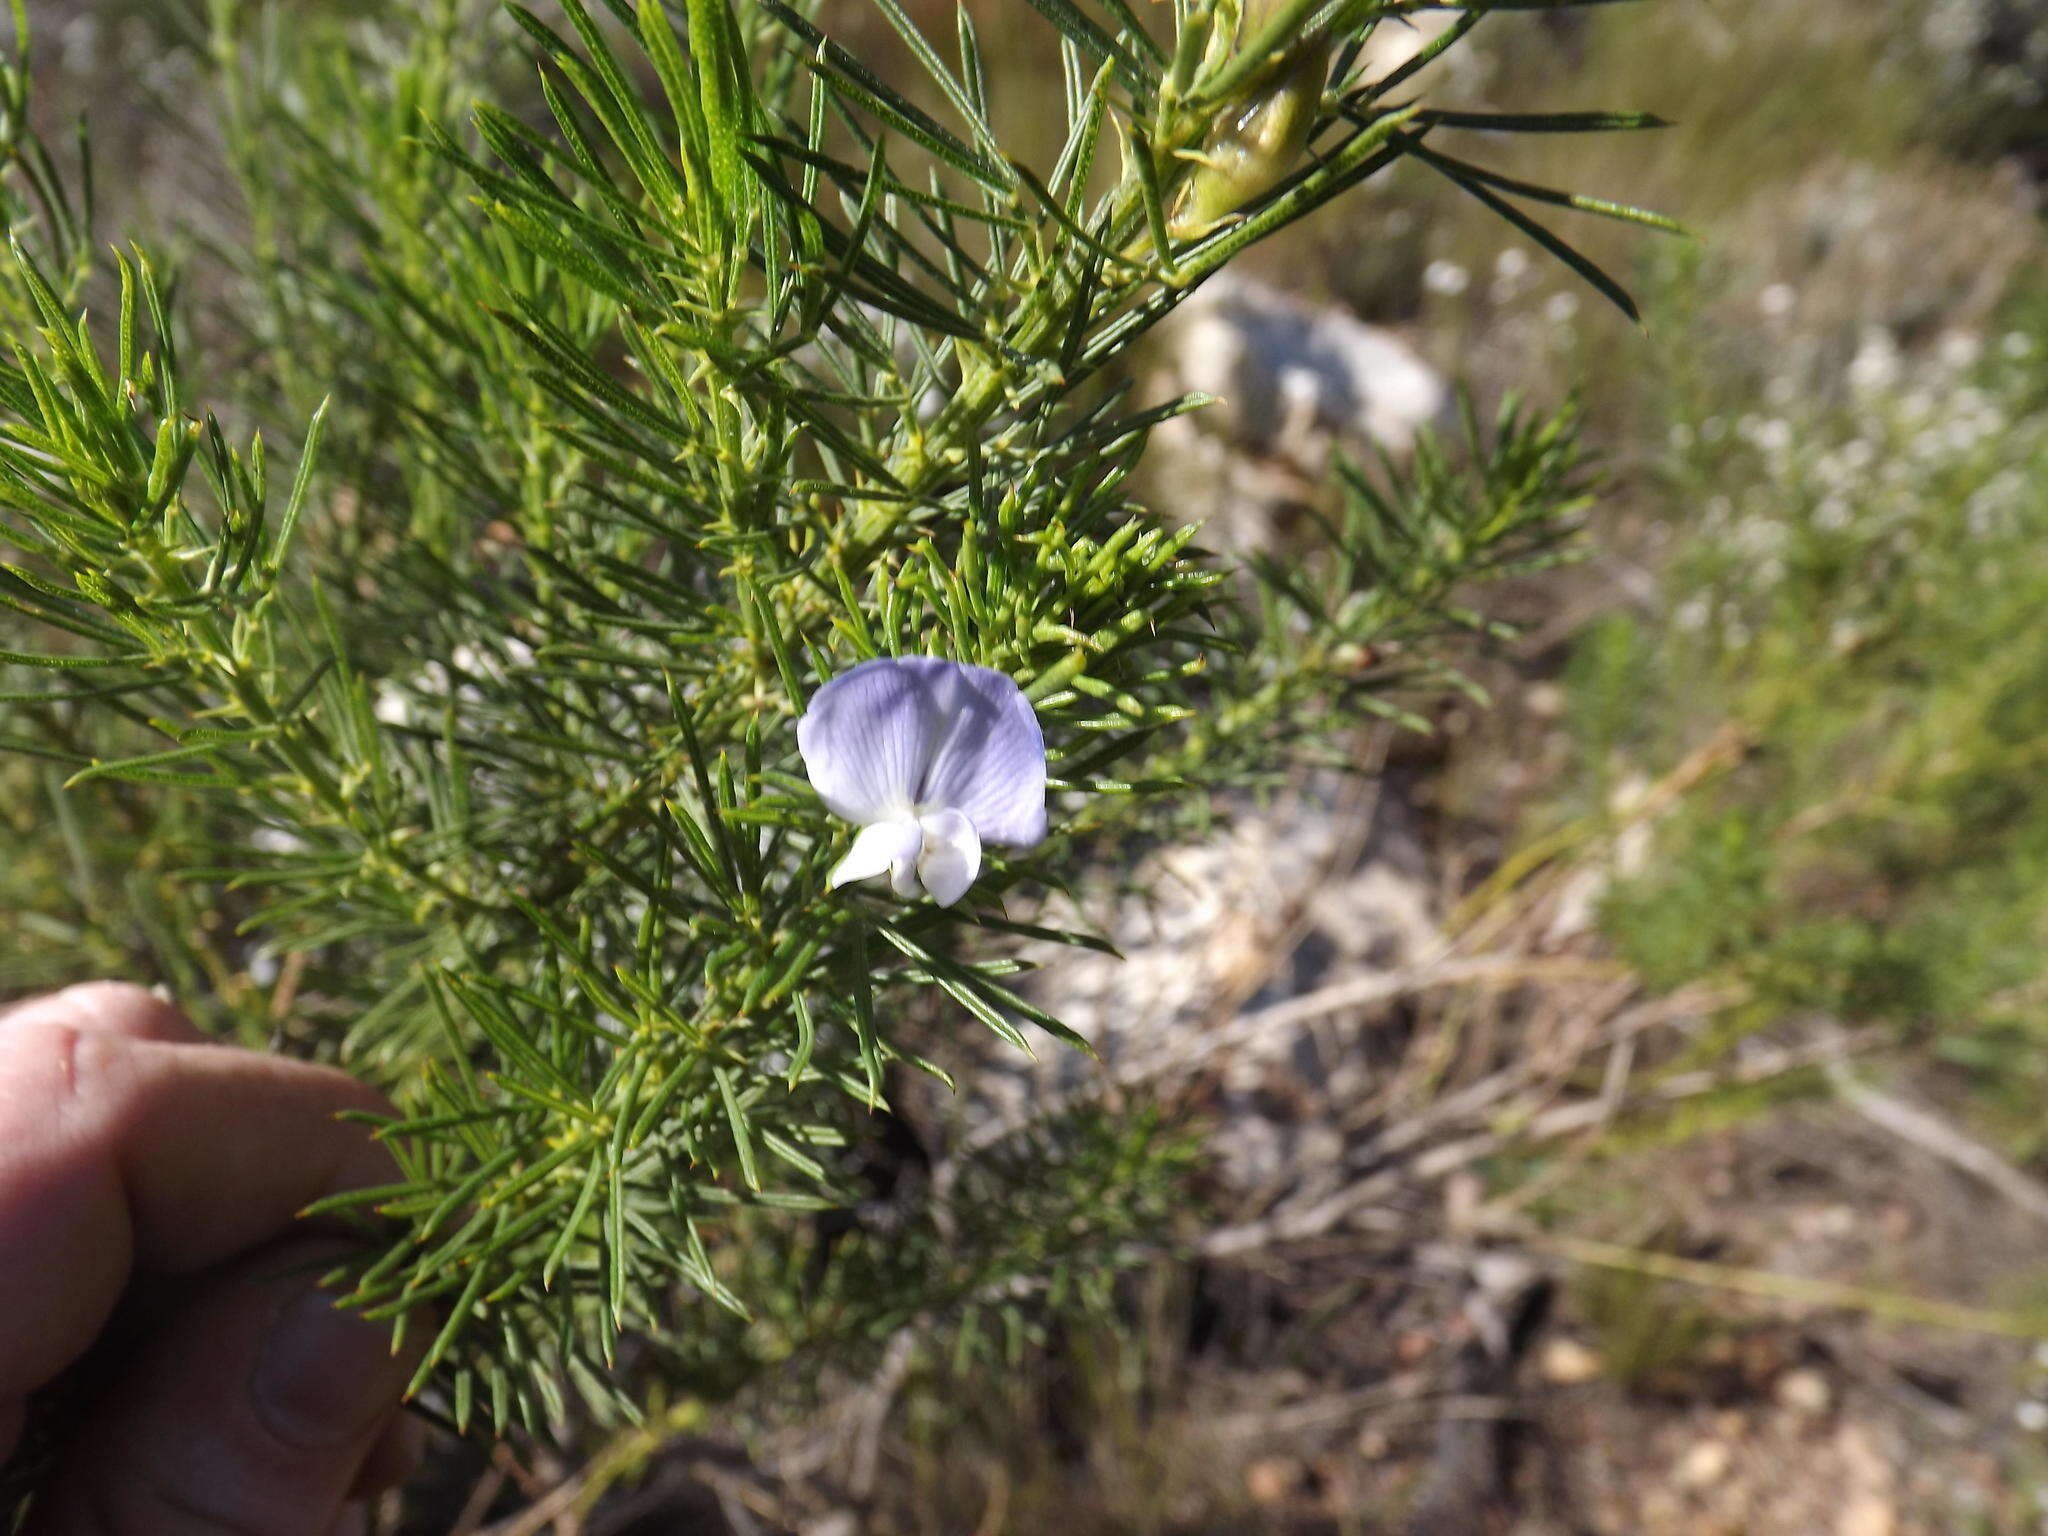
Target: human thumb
x,y
250,1411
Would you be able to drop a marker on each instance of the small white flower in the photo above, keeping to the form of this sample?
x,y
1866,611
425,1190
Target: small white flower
x,y
1446,277
1877,364
1773,436
1960,350
1777,300
931,759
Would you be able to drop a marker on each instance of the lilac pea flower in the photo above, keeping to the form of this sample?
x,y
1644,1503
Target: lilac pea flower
x,y
931,759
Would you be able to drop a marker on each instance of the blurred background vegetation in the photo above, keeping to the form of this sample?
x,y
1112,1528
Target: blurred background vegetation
x,y
1685,1169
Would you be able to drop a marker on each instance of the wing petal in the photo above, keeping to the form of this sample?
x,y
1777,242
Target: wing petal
x,y
886,847
951,856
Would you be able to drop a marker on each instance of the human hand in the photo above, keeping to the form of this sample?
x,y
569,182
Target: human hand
x,y
138,1158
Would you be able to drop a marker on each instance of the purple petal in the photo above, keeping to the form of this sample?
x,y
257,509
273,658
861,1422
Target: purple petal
x,y
990,761
921,732
867,738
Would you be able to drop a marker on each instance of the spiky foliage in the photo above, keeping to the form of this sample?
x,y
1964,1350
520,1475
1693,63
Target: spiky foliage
x,y
623,413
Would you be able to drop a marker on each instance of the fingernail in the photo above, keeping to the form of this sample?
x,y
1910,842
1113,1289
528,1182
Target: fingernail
x,y
324,1377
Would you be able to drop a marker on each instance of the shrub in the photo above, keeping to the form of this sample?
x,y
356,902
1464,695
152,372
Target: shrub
x,y
415,590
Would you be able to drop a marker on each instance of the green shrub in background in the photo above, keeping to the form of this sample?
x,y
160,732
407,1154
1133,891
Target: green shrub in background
x,y
413,591
1858,600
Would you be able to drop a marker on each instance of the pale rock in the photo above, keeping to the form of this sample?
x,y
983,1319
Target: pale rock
x,y
1271,1479
1396,42
1568,1363
1705,1464
1804,1391
1292,379
1867,1514
1279,902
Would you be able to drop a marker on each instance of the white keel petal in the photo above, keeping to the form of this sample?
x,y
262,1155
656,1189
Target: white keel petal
x,y
887,847
951,857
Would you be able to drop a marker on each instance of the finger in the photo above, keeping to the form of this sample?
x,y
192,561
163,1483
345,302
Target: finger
x,y
107,1007
117,1152
251,1412
103,1007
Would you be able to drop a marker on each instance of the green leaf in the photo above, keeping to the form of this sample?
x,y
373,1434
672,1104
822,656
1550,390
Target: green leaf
x,y
850,78
726,96
1585,266
1075,25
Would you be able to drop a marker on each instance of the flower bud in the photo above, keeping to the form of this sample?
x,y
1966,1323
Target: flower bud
x,y
1261,137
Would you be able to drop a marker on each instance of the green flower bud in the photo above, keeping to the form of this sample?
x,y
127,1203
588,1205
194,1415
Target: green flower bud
x,y
1260,140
